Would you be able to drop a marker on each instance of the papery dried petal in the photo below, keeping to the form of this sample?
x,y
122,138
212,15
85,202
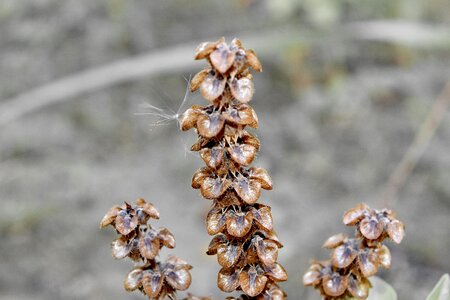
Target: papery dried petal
x,y
205,49
239,223
222,58
121,247
248,190
371,228
276,272
267,251
251,282
199,176
212,157
179,279
343,256
228,255
313,276
384,256
149,244
228,280
396,231
177,263
263,217
215,243
236,43
253,60
148,208
212,86
166,238
262,177
368,263
110,216
216,221
133,280
210,125
213,188
334,241
271,235
198,79
242,154
242,89
249,139
359,289
334,285
125,222
152,282
189,117
354,215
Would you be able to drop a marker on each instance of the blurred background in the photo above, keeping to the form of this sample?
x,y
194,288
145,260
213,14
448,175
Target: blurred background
x,y
345,88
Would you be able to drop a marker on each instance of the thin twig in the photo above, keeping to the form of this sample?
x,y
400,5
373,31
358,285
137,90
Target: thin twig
x,y
179,58
415,151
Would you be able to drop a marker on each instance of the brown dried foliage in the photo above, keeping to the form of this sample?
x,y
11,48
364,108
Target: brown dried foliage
x,y
244,241
353,260
140,242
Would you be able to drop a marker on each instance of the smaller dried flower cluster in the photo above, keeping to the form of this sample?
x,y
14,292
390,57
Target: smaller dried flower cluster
x,y
139,241
353,260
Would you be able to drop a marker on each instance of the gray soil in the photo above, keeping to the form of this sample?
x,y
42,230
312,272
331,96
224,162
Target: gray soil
x,y
328,145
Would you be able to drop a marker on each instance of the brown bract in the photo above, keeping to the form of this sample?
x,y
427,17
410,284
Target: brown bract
x,y
244,241
139,241
354,260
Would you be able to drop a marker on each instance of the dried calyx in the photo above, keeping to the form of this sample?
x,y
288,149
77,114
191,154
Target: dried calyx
x,y
353,260
244,241
140,242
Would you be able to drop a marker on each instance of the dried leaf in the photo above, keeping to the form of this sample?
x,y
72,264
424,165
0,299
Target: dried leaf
x,y
368,263
359,289
199,176
313,275
384,256
126,222
215,243
212,86
189,117
149,244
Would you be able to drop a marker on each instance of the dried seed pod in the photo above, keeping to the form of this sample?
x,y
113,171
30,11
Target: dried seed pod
x,y
354,260
142,243
244,241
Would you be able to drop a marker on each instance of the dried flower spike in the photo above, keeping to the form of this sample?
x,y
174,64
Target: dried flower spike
x,y
353,260
139,241
244,241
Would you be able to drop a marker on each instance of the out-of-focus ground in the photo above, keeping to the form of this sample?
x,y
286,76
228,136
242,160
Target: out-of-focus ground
x,y
336,116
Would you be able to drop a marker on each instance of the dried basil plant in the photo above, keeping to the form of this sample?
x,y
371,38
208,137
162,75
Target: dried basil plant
x,y
141,243
244,240
355,259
